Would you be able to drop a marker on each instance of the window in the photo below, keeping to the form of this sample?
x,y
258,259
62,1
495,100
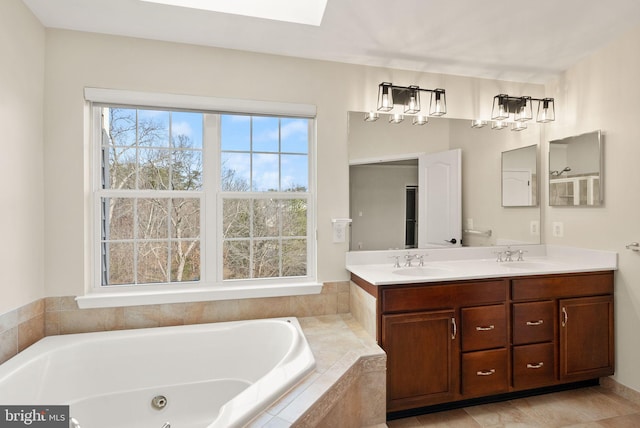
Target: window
x,y
197,197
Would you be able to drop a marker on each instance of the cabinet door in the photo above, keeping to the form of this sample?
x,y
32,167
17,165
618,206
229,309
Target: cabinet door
x,y
586,337
422,358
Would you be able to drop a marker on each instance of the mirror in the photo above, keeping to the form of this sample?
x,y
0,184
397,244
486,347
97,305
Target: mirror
x,y
575,170
520,177
382,217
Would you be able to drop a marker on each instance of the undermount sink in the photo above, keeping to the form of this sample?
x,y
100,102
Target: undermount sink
x,y
422,271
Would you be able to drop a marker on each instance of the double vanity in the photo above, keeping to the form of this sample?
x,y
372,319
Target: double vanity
x,y
459,326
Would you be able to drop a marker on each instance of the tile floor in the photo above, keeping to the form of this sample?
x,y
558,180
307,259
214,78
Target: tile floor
x,y
593,407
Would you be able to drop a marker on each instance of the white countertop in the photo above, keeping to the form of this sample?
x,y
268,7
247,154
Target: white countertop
x,y
377,267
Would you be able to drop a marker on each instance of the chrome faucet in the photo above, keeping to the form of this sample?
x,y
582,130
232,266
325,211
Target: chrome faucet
x,y
396,261
507,254
520,254
408,258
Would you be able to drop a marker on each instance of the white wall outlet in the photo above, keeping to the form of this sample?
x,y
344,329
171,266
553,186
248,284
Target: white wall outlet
x,y
534,227
339,232
558,229
469,223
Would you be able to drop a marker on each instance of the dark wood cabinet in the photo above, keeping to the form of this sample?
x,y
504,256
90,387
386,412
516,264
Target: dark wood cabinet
x,y
563,328
426,330
458,340
422,357
586,337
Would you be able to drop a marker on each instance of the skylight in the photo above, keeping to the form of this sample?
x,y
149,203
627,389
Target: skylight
x,y
307,12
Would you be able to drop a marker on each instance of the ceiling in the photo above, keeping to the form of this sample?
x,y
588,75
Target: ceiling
x,y
525,41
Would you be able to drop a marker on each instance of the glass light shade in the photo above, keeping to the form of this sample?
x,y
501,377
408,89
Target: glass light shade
x,y
372,116
385,97
518,126
420,120
396,118
413,101
546,111
523,112
499,124
438,105
500,110
478,123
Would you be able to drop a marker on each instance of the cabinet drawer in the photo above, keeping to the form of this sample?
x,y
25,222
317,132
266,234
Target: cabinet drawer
x,y
560,286
484,327
533,365
533,322
442,295
485,372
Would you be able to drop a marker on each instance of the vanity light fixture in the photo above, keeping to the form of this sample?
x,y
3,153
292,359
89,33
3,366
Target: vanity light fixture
x,y
521,108
546,110
390,95
478,123
523,111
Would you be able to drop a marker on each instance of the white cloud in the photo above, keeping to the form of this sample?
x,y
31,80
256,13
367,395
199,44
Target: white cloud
x,y
181,128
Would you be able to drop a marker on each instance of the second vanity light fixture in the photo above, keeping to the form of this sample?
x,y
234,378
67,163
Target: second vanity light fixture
x,y
517,111
390,95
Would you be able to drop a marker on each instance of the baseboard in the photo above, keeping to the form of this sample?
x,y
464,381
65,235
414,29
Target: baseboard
x,y
620,389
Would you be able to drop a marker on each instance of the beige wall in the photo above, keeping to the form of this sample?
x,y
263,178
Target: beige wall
x,y
602,92
22,44
75,60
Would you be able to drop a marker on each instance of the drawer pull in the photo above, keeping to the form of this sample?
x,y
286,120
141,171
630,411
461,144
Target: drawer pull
x,y
485,372
539,322
565,316
480,328
535,366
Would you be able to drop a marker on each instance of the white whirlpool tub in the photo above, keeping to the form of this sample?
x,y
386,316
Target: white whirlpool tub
x,y
204,375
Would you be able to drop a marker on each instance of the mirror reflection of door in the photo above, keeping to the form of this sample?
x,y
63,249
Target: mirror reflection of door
x,y
516,188
440,193
519,177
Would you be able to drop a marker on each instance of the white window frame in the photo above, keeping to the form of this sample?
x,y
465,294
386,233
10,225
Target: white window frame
x,y
211,285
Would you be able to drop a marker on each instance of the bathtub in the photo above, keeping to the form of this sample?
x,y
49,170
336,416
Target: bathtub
x,y
204,375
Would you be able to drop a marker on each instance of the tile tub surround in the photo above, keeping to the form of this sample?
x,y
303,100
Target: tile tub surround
x,y
50,316
348,386
21,328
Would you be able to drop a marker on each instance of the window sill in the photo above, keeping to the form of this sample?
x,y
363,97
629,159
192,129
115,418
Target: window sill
x,y
185,295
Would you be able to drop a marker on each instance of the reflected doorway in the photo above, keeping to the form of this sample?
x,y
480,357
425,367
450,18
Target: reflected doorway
x,y
411,217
